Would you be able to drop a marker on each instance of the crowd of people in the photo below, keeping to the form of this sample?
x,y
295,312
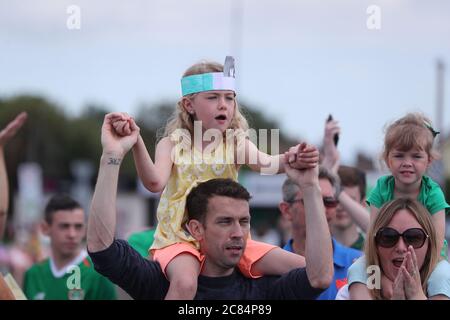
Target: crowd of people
x,y
343,245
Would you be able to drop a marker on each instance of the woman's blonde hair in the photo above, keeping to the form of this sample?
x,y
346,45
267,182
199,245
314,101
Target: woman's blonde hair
x,y
181,119
411,131
385,215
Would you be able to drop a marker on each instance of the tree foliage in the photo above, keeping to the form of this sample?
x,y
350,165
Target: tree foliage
x,y
53,139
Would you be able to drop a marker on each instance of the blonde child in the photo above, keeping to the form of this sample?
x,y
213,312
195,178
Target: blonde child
x,y
408,153
208,105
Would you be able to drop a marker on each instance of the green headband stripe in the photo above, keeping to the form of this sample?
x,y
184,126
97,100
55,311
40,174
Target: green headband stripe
x,y
207,82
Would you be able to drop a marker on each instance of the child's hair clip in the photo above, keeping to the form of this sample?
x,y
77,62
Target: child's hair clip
x,y
433,132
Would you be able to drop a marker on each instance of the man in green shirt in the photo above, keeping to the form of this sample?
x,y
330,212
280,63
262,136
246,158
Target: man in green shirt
x,y
142,241
69,273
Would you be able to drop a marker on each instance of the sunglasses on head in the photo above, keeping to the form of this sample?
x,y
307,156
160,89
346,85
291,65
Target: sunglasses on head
x,y
328,202
388,237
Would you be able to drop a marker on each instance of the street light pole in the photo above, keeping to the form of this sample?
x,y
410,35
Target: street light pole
x,y
236,36
440,69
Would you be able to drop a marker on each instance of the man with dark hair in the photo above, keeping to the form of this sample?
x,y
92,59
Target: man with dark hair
x,y
59,202
343,228
293,207
68,274
197,200
219,219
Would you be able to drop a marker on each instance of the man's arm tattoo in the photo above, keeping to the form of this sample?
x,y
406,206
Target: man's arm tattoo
x,y
114,161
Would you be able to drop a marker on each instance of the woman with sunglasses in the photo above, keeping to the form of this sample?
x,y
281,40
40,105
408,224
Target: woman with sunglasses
x,y
402,255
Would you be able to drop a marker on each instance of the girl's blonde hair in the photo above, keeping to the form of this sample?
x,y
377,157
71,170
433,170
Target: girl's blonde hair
x,y
411,131
181,119
385,215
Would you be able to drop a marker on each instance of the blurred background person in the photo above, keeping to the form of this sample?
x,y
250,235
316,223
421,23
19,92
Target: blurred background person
x,y
292,207
264,232
68,274
343,228
141,241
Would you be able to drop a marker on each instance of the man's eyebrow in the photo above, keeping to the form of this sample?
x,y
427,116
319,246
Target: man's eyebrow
x,y
71,223
64,224
230,217
223,217
218,93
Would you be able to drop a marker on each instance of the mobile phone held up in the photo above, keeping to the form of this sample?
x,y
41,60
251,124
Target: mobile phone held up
x,y
336,136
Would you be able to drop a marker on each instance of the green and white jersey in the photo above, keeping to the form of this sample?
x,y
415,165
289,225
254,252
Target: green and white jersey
x,y
76,281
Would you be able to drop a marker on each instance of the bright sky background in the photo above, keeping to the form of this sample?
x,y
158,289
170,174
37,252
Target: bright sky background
x,y
296,60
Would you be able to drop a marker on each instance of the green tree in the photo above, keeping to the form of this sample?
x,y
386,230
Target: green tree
x,y
43,139
54,140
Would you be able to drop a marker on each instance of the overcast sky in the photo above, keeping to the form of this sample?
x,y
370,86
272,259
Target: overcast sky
x,y
297,60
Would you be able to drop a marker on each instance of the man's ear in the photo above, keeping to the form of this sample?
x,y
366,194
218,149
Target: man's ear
x,y
285,210
196,229
45,228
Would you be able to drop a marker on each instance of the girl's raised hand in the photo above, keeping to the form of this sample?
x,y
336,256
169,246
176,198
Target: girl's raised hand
x,y
121,123
303,156
122,127
113,143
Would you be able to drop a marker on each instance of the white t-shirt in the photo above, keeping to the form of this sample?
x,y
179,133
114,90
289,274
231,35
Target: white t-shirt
x,y
343,293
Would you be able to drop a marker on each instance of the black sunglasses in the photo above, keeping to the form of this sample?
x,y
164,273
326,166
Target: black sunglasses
x,y
328,202
388,237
